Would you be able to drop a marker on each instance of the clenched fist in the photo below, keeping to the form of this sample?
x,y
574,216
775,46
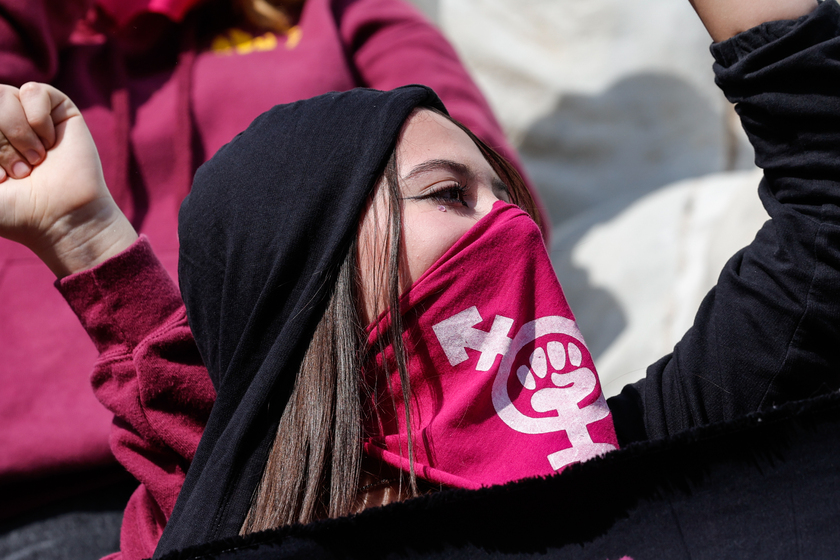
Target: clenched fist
x,y
53,197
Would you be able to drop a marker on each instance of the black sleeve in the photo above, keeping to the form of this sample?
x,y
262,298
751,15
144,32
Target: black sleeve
x,y
769,332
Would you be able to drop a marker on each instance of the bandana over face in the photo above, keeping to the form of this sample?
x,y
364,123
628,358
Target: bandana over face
x,y
502,384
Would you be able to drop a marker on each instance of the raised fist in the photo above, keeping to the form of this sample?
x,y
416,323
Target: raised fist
x,y
53,197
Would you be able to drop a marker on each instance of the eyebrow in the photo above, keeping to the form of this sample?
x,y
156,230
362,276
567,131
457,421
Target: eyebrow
x,y
453,167
440,164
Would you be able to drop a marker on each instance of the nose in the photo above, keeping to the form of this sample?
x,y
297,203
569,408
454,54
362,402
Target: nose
x,y
487,197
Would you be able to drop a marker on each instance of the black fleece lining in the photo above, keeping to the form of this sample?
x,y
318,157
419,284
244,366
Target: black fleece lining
x,y
765,486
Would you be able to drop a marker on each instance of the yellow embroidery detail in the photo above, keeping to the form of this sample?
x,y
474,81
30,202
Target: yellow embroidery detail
x,y
267,42
242,42
221,45
293,37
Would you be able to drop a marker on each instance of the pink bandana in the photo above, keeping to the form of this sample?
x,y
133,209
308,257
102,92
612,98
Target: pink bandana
x,y
503,386
124,11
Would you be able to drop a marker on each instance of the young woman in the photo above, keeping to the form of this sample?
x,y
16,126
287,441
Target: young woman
x,y
304,232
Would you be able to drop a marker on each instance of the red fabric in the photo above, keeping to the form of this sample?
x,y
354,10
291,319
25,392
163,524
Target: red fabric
x,y
502,384
49,420
149,375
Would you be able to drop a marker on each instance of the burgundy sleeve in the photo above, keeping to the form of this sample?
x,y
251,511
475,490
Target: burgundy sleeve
x,y
31,34
392,44
150,375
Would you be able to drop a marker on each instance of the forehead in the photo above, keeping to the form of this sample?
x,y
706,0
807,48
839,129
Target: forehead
x,y
429,135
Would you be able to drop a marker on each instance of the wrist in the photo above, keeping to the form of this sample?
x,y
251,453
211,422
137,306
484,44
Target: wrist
x,y
77,244
724,18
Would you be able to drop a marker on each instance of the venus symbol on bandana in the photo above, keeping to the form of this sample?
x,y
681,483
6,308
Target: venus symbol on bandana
x,y
544,383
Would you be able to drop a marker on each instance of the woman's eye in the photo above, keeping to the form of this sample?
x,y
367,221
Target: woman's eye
x,y
453,194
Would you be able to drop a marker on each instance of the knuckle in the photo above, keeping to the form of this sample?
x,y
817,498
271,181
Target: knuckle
x,y
39,119
8,154
17,132
30,89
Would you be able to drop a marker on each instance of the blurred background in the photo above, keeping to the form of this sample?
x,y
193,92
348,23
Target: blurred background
x,y
647,174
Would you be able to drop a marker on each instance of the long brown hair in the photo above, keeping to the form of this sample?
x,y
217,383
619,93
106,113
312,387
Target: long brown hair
x,y
314,465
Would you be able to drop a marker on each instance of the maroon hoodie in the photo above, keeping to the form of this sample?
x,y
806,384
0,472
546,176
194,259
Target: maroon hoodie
x,y
160,99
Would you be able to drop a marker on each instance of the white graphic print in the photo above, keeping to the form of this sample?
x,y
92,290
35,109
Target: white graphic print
x,y
456,334
559,361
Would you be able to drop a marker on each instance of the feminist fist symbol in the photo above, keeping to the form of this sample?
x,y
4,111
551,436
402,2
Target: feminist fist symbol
x,y
569,389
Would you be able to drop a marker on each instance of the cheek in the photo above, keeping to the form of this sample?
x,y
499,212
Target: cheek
x,y
428,236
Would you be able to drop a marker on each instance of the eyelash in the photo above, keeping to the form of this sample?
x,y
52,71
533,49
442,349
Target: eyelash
x,y
458,189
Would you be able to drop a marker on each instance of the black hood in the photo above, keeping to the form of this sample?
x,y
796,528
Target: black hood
x,y
269,220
